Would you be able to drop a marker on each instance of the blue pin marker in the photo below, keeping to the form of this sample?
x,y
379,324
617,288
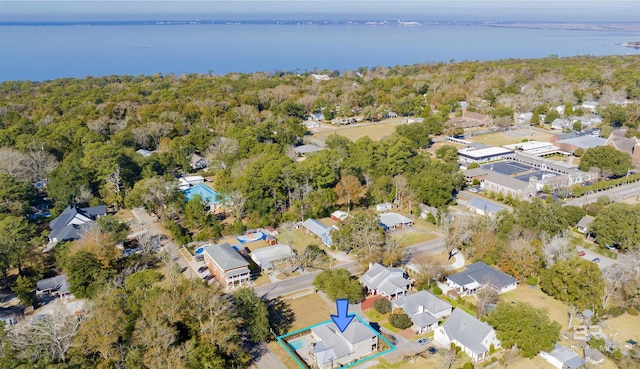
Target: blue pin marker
x,y
343,319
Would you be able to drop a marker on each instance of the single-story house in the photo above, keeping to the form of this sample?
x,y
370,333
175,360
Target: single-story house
x,y
470,119
562,358
145,153
593,356
384,207
198,162
320,230
525,117
306,149
590,105
385,281
393,221
474,337
560,124
269,257
583,224
54,286
68,225
335,349
479,275
229,268
208,194
424,309
482,206
339,215
425,210
310,124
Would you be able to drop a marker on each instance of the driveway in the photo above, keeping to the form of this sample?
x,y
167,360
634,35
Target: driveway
x,y
189,267
604,261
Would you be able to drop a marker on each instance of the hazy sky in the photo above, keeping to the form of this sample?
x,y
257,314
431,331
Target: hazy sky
x,y
512,10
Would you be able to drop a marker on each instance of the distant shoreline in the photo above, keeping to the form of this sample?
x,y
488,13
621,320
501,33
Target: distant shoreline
x,y
629,26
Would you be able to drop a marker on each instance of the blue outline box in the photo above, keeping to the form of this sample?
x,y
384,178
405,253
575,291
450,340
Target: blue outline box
x,y
285,345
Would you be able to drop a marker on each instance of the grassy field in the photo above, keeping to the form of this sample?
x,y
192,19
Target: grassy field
x,y
625,326
506,138
375,131
558,311
310,309
409,238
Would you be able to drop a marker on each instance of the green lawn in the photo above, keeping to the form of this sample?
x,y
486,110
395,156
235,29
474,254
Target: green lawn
x,y
374,316
412,238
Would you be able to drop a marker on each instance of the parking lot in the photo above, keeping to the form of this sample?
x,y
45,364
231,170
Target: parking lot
x,y
590,255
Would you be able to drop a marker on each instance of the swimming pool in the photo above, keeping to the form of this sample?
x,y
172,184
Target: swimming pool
x,y
298,344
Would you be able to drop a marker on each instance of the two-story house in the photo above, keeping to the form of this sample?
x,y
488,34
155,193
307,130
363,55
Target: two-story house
x,y
228,267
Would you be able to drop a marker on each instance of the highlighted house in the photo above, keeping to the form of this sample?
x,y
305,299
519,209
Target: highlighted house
x,y
208,194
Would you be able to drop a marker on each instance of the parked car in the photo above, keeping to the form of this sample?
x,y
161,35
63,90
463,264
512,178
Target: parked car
x,y
596,260
423,341
432,350
203,269
582,253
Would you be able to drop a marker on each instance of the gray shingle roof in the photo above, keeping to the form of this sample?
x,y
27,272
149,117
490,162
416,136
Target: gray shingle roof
x,y
225,256
484,275
567,357
421,301
467,330
334,344
62,230
484,205
584,142
388,281
58,283
307,149
315,227
506,181
266,255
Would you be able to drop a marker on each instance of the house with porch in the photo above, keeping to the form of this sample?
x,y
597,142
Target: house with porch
x,y
335,349
562,358
54,286
393,221
388,282
229,268
424,309
268,257
474,337
479,275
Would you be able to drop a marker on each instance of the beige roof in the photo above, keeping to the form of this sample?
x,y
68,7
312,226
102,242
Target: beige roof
x,y
506,181
622,143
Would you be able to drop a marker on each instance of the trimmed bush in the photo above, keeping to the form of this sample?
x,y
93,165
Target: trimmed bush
x,y
383,306
436,290
400,321
532,281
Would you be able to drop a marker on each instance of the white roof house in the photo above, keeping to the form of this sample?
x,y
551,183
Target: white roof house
x,y
471,335
392,221
334,349
268,257
385,281
424,309
563,358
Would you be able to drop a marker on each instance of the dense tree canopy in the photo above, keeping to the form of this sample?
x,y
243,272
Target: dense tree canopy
x,y
618,225
525,326
338,284
607,159
577,282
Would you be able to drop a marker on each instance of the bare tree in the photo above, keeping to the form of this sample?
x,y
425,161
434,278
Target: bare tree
x,y
557,248
449,357
458,231
615,277
484,299
41,164
14,163
51,335
149,244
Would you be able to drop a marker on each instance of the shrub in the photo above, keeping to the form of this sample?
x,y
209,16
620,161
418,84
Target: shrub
x,y
632,311
615,311
532,281
436,290
467,365
400,321
383,306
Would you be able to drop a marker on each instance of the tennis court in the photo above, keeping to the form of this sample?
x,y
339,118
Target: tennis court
x,y
507,167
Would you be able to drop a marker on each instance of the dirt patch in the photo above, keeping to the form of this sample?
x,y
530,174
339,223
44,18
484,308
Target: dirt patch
x,y
310,309
558,311
507,138
407,333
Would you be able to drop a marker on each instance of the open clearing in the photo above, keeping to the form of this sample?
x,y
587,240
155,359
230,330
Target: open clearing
x,y
375,131
309,310
623,328
506,138
558,311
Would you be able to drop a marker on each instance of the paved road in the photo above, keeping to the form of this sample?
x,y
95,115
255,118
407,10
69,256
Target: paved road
x,y
615,194
267,359
296,284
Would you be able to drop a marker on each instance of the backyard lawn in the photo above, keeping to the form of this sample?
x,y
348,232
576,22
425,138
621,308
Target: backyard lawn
x,y
375,131
409,238
558,311
624,327
309,310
